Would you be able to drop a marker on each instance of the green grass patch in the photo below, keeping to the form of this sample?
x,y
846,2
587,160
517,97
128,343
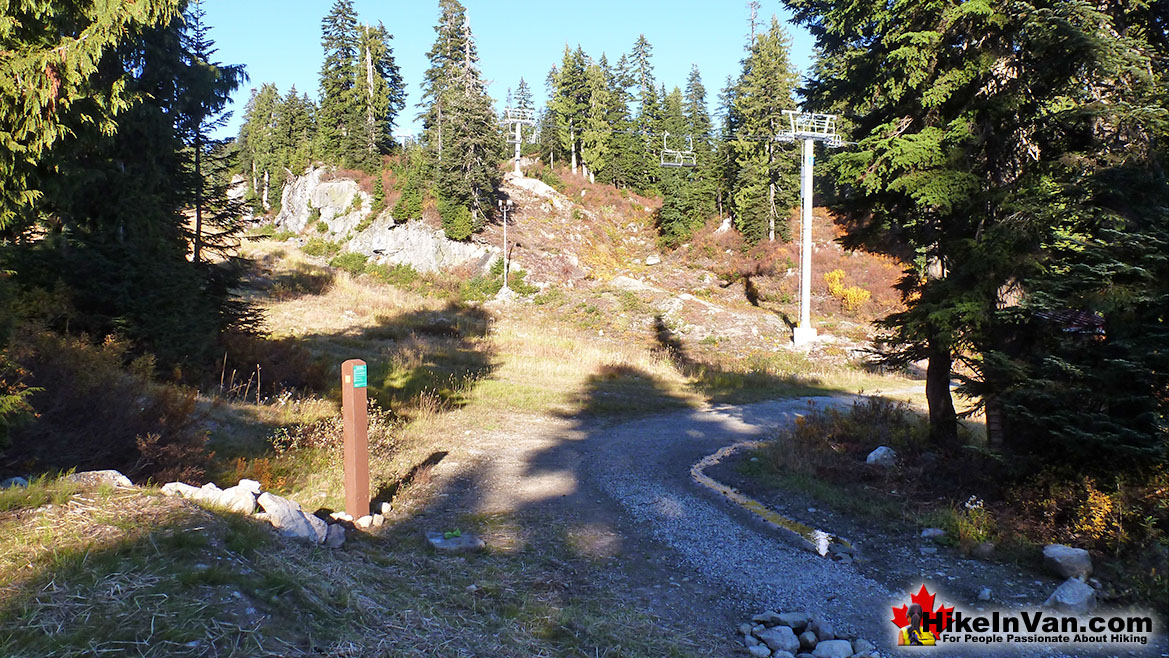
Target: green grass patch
x,y
350,261
321,247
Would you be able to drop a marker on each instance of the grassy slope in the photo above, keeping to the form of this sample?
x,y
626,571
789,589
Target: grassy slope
x,y
139,574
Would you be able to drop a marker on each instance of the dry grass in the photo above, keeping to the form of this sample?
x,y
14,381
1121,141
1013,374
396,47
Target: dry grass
x,y
132,573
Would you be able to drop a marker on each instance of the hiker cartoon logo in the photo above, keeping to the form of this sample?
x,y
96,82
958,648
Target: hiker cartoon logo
x,y
919,623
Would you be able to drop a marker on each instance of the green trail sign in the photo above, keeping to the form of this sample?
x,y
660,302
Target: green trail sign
x,y
359,376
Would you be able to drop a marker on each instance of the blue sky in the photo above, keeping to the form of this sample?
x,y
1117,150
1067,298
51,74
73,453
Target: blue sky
x,y
280,42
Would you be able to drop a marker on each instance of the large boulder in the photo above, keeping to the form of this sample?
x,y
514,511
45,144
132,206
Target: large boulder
x,y
1067,562
1074,596
237,499
780,638
833,649
419,246
883,456
341,202
287,517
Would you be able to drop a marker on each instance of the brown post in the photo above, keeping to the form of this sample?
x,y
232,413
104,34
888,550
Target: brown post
x,y
353,410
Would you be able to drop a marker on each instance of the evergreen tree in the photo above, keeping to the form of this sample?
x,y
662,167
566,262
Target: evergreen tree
x,y
444,57
674,221
647,118
210,87
628,168
341,113
46,83
381,90
1002,155
523,96
570,102
260,143
702,187
765,183
463,136
595,126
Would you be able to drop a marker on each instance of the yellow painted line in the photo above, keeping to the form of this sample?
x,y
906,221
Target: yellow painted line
x,y
815,540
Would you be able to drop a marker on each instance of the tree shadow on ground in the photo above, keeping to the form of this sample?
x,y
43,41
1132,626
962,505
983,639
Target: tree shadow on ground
x,y
788,374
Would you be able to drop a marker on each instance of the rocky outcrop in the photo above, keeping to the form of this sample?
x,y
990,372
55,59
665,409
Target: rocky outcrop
x,y
341,202
419,246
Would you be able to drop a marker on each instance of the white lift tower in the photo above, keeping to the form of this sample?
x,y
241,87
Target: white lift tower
x,y
517,118
809,128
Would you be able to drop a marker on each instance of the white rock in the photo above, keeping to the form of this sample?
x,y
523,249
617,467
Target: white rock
x,y
341,516
237,499
653,259
385,509
249,485
364,522
1074,596
378,520
759,651
833,649
320,527
933,533
1067,562
780,638
287,517
98,478
882,456
180,489
421,247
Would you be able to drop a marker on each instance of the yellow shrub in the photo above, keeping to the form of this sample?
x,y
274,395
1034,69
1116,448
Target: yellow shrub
x,y
852,297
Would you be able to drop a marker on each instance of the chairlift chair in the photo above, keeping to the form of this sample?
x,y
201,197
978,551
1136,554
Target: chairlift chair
x,y
674,158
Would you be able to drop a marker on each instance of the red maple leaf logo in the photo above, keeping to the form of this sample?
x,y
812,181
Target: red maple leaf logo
x,y
926,601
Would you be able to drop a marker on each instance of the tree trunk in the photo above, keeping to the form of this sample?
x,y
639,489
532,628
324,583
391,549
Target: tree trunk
x,y
198,200
572,145
369,119
943,418
267,206
770,199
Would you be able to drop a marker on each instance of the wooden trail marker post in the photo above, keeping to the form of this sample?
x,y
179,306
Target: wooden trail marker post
x,y
354,411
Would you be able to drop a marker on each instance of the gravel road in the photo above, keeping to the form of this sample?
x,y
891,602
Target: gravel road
x,y
644,465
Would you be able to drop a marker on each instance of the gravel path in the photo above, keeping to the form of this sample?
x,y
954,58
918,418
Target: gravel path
x,y
645,464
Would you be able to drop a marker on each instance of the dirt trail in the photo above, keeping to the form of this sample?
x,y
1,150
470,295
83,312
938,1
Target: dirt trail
x,y
623,490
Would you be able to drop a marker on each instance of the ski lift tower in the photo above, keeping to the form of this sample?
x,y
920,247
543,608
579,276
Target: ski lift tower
x,y
809,128
518,118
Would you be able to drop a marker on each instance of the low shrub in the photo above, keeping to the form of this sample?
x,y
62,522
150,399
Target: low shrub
x,y
350,261
97,407
321,247
396,275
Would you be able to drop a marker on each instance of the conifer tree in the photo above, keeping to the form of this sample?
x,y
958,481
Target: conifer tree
x,y
260,143
463,136
701,189
570,103
381,90
765,183
1003,156
51,51
342,109
595,126
673,218
647,118
628,167
211,84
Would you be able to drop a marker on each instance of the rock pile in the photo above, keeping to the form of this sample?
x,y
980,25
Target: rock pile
x,y
285,515
800,635
1075,595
